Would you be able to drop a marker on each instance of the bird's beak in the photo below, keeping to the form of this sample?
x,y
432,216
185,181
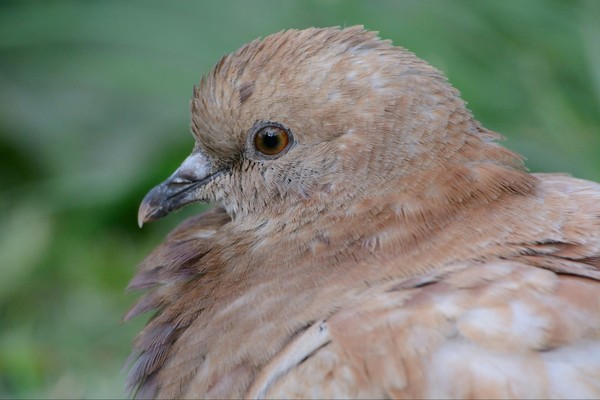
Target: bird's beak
x,y
183,187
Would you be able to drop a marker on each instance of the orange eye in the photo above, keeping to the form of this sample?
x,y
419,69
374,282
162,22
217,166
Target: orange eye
x,y
271,140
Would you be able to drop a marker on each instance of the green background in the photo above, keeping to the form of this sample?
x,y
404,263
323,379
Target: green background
x,y
94,112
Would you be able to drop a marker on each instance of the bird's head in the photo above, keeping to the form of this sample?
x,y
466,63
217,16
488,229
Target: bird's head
x,y
314,119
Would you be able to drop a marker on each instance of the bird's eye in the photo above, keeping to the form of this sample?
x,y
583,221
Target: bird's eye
x,y
271,140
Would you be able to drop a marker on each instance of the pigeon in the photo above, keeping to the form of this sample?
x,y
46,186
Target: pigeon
x,y
369,239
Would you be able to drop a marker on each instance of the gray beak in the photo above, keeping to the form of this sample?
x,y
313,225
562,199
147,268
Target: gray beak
x,y
180,189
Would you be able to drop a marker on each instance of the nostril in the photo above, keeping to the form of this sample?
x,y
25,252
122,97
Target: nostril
x,y
182,180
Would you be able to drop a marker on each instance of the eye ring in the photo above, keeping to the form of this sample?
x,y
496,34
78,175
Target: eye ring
x,y
270,139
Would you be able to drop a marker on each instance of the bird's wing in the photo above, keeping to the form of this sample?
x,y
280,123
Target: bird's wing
x,y
501,329
166,275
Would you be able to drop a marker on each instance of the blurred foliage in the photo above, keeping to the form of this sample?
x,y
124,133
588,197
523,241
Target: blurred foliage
x,y
94,112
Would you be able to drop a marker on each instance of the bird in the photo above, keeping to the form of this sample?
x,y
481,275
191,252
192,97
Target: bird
x,y
369,238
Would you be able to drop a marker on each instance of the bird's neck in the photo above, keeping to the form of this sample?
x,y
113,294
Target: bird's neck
x,y
410,204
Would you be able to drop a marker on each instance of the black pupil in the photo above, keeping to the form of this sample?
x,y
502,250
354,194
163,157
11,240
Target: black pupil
x,y
271,139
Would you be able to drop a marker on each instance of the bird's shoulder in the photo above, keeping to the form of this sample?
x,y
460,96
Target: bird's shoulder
x,y
499,329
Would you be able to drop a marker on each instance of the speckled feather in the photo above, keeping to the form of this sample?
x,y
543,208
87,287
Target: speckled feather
x,y
396,250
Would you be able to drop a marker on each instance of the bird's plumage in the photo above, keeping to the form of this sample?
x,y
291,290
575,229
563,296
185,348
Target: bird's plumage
x,y
394,249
